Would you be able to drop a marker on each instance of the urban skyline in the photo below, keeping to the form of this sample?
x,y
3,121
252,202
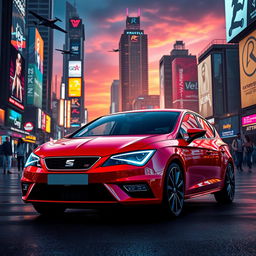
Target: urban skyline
x,y
196,26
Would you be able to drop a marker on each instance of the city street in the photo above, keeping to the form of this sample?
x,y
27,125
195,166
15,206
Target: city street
x,y
205,228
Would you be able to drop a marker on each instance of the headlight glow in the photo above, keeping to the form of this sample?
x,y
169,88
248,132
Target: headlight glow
x,y
137,158
33,160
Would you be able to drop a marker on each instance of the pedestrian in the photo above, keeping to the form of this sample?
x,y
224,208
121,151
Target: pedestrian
x,y
7,158
248,152
238,147
21,151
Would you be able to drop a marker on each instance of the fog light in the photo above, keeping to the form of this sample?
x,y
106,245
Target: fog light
x,y
24,187
136,188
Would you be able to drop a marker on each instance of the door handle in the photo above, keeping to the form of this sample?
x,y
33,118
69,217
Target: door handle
x,y
208,152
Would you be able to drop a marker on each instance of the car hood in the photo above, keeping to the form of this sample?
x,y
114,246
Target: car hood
x,y
96,146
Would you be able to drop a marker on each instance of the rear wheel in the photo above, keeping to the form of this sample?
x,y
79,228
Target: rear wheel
x,y
49,209
226,195
173,199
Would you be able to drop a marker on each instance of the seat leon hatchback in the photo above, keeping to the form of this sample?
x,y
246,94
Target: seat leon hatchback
x,y
144,157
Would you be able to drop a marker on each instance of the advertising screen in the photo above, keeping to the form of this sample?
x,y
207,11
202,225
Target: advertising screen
x,y
14,119
229,127
16,82
247,59
75,68
18,39
239,15
184,79
43,121
74,87
47,123
34,86
249,120
75,46
205,87
75,112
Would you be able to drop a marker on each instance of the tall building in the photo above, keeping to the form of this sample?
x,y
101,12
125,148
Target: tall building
x,y
146,102
114,101
133,63
178,79
73,66
219,88
44,9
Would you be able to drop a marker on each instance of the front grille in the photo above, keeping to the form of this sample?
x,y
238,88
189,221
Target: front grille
x,y
70,163
92,192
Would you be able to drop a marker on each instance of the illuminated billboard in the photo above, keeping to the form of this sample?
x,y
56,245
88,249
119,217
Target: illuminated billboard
x,y
74,87
239,15
229,127
247,59
34,86
75,112
75,46
75,68
47,123
205,87
14,119
18,39
184,79
35,68
16,82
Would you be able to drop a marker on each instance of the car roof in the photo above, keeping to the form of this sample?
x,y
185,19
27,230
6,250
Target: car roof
x,y
154,110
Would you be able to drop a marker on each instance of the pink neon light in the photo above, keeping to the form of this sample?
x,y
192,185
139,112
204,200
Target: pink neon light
x,y
75,23
139,12
249,120
127,12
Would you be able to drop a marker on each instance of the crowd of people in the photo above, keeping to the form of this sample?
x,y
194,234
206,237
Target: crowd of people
x,y
243,150
7,153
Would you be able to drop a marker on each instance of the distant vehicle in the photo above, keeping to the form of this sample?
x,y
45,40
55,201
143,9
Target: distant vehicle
x,y
47,22
142,157
66,51
115,50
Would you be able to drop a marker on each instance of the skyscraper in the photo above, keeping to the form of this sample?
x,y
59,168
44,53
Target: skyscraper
x,y
178,79
44,9
133,63
73,66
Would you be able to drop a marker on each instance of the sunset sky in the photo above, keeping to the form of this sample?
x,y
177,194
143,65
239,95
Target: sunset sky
x,y
196,22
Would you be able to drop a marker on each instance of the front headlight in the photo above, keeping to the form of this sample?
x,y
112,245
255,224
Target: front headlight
x,y
33,160
137,158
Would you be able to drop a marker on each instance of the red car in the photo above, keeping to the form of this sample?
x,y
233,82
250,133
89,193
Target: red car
x,y
159,157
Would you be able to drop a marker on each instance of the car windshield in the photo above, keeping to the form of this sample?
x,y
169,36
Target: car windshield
x,y
130,124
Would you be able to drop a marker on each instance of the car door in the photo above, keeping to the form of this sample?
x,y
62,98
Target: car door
x,y
210,143
192,153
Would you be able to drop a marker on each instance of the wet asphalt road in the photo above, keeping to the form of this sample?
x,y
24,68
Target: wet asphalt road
x,y
205,228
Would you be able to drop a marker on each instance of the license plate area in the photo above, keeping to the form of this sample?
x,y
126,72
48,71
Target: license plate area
x,y
67,179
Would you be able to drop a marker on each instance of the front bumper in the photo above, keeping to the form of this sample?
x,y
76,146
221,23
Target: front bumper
x,y
106,185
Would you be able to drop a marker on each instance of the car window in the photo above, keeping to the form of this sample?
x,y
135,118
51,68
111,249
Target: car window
x,y
204,124
155,122
188,122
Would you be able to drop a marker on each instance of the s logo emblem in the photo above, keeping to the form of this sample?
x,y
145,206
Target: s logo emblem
x,y
69,163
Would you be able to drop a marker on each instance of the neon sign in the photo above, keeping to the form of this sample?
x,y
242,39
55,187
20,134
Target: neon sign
x,y
75,23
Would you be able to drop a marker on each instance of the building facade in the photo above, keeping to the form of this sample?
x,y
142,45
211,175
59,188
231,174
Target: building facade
x,y
219,87
44,9
114,94
133,63
178,79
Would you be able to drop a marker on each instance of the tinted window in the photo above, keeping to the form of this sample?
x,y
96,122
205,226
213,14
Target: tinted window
x,y
188,122
207,127
131,124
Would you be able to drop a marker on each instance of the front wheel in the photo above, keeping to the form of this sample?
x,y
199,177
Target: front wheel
x,y
49,209
173,198
227,194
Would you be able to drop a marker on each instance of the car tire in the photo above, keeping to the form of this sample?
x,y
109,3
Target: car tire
x,y
226,195
174,191
49,209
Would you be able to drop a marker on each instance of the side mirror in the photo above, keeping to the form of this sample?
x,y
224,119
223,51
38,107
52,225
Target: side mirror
x,y
195,133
